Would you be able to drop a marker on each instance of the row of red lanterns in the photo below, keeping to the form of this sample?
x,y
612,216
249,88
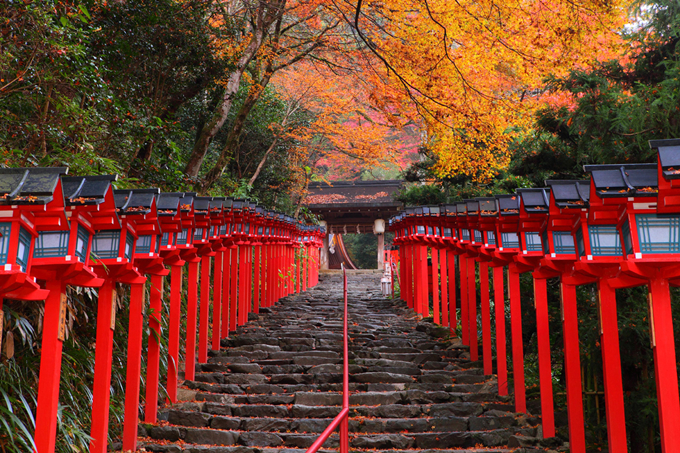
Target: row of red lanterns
x,y
59,231
620,229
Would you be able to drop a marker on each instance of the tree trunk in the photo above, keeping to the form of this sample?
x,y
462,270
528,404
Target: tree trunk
x,y
261,164
215,123
228,150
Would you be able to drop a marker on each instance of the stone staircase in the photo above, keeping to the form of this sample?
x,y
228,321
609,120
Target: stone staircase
x,y
278,384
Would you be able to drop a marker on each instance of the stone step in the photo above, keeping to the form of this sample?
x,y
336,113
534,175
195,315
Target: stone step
x,y
150,446
277,384
488,421
353,387
397,441
386,406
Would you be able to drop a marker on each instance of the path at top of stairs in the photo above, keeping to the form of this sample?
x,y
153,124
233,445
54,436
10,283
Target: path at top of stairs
x,y
278,384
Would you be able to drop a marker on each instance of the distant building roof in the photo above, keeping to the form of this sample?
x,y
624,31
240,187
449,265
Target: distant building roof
x,y
354,204
361,193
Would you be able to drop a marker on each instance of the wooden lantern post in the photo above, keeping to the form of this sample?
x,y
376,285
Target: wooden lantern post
x,y
607,240
153,262
203,244
32,199
449,214
184,242
266,239
472,253
568,210
420,265
461,245
533,223
258,234
226,233
508,247
238,264
433,239
442,247
62,257
218,225
138,217
173,223
659,260
486,225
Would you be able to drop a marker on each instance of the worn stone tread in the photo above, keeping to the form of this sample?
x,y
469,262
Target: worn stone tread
x,y
277,383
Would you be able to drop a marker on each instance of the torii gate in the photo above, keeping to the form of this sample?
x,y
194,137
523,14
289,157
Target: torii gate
x,y
349,207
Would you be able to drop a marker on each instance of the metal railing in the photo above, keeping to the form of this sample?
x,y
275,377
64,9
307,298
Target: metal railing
x,y
342,419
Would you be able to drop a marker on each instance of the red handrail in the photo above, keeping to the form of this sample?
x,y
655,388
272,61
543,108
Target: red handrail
x,y
342,419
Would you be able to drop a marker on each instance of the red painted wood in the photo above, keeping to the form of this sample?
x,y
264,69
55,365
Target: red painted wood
x,y
226,298
544,359
501,351
101,391
257,283
173,331
233,298
247,286
435,286
134,368
406,280
263,275
412,275
453,321
611,367
153,355
241,285
517,341
486,317
298,268
424,290
217,300
204,312
266,274
572,365
472,309
50,370
665,364
464,320
305,269
192,314
444,287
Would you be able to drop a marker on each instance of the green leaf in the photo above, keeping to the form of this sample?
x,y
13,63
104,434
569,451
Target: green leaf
x,y
84,10
64,21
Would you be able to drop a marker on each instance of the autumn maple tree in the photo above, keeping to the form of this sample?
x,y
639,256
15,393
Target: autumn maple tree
x,y
473,70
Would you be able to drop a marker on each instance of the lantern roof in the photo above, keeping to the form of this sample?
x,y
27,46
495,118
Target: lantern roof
x,y
202,205
461,208
431,210
216,204
535,200
488,206
612,181
187,201
167,203
669,156
472,207
239,203
508,204
29,186
86,190
569,193
136,201
446,209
